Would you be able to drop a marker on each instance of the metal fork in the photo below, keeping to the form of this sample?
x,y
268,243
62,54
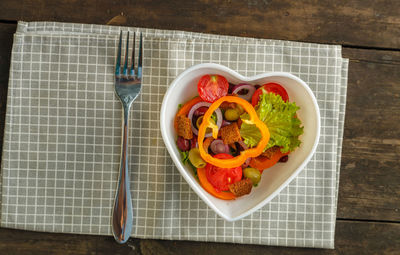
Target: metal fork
x,y
127,87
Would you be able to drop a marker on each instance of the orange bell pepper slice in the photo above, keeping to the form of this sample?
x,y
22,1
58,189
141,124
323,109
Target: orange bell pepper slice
x,y
201,173
262,162
185,110
238,160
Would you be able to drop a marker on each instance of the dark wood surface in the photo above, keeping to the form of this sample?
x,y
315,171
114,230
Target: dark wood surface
x,y
369,195
358,22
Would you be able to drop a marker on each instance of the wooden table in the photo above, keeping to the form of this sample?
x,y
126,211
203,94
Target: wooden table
x,y
368,217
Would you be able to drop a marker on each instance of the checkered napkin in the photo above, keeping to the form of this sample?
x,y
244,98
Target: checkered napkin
x,y
62,138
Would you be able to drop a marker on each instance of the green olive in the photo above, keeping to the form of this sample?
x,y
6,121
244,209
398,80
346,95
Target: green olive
x,y
195,158
253,174
240,109
231,114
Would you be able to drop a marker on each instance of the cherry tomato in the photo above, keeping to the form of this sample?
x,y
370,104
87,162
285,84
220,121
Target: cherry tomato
x,y
220,178
270,87
201,173
212,87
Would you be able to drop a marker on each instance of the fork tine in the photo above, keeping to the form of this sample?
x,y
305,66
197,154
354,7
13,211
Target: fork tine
x,y
118,65
140,57
126,55
132,71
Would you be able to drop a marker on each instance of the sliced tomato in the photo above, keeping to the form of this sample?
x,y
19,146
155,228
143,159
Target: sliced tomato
x,y
212,87
225,195
269,87
221,178
262,162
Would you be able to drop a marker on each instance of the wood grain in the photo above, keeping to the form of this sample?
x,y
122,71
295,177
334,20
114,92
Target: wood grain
x,y
370,176
351,238
368,23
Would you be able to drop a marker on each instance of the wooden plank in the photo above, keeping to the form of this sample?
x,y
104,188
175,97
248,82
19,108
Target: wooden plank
x,y
360,22
351,238
6,39
370,177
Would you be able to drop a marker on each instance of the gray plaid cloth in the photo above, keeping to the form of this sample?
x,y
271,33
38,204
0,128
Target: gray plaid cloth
x,y
63,133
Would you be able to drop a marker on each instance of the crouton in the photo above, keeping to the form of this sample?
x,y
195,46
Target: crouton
x,y
242,187
239,123
184,127
270,151
230,134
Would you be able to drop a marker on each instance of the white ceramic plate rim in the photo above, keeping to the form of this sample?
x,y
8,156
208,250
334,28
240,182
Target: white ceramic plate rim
x,y
197,188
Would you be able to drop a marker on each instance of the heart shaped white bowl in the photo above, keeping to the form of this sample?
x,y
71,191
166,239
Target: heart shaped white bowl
x,y
274,179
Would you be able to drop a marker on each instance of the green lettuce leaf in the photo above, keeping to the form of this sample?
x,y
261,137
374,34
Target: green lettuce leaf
x,y
279,116
184,156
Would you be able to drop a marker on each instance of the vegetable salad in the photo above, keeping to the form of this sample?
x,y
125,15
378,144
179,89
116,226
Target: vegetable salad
x,y
231,133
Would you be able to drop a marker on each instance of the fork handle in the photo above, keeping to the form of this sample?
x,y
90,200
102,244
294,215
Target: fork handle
x,y
122,212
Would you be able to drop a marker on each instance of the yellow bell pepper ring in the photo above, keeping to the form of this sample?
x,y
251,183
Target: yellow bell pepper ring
x,y
238,160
